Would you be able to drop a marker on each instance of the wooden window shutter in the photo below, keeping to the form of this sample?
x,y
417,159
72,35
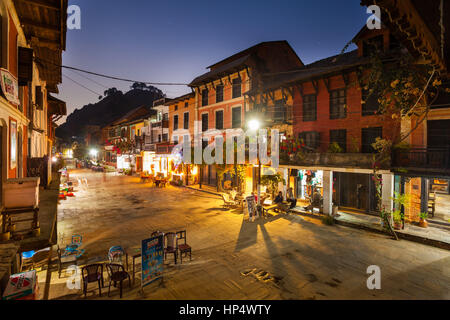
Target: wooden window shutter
x,y
25,66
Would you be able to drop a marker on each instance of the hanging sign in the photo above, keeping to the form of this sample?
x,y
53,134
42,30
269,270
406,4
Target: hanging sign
x,y
152,260
10,86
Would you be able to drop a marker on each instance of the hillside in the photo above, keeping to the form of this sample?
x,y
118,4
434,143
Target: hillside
x,y
115,105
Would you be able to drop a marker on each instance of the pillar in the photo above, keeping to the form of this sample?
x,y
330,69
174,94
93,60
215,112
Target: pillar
x,y
328,192
286,179
387,192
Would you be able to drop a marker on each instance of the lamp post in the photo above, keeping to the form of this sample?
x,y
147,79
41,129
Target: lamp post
x,y
254,125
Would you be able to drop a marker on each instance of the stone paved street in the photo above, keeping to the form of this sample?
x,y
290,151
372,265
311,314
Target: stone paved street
x,y
303,258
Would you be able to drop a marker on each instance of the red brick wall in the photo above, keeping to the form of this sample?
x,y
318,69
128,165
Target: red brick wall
x,y
353,123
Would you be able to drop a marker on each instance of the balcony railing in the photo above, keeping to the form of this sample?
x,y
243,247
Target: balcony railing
x,y
164,148
423,159
274,114
161,124
323,159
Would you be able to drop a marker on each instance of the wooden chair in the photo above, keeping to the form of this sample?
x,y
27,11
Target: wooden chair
x,y
92,273
65,261
40,258
184,248
170,245
117,274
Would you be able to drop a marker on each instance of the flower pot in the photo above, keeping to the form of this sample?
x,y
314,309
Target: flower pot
x,y
423,223
398,225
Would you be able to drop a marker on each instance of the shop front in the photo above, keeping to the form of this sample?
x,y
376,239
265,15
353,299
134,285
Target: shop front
x,y
355,191
427,194
307,181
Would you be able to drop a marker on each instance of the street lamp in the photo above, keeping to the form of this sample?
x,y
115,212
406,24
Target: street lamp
x,y
93,153
254,125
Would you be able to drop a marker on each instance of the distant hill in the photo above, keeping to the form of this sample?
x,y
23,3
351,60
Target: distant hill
x,y
113,106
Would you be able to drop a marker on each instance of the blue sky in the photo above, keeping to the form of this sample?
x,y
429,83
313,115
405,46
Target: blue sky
x,y
174,41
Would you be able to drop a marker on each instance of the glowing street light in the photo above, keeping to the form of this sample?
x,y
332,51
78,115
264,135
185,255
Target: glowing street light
x,y
254,125
93,152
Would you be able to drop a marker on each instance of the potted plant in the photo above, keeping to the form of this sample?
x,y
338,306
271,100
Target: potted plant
x,y
423,219
397,216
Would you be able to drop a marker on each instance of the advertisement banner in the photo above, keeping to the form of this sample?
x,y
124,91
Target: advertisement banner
x,y
10,86
152,259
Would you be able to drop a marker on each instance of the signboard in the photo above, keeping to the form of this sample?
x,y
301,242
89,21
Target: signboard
x,y
22,286
10,86
251,206
152,259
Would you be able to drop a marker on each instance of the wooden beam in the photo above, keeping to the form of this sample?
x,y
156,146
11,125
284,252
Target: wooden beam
x,y
41,3
248,72
290,90
43,42
32,23
315,84
359,76
285,96
346,78
327,83
229,80
300,89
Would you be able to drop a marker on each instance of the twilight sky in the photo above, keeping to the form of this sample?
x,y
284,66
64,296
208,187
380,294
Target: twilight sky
x,y
175,40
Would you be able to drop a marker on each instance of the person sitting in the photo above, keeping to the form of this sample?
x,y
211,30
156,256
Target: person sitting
x,y
279,201
291,199
315,201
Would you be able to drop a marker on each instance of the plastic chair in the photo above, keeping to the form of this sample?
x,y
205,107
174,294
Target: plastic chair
x,y
92,273
115,254
116,274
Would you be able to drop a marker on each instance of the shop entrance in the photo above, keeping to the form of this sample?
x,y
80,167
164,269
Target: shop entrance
x,y
439,200
355,191
209,175
307,180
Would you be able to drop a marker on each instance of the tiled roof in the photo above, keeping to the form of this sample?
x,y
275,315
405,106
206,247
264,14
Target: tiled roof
x,y
314,70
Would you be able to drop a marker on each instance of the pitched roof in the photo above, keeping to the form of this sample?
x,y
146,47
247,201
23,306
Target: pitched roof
x,y
181,98
221,71
137,113
276,55
314,70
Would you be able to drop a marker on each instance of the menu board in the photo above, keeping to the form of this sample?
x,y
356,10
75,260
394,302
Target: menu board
x,y
152,259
